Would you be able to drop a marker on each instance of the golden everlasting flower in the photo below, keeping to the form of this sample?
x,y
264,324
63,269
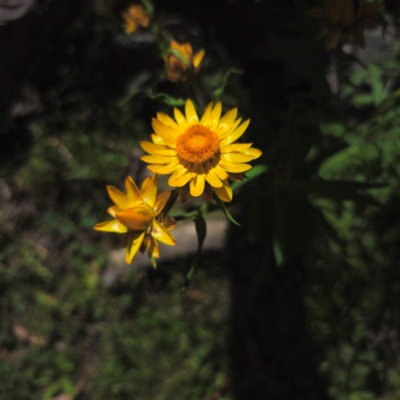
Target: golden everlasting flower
x,y
137,215
342,18
200,153
135,17
181,63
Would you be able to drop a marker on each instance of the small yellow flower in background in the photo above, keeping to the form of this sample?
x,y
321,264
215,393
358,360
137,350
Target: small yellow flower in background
x,y
181,63
344,18
135,17
137,215
200,153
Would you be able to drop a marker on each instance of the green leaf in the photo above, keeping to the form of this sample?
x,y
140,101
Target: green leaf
x,y
201,230
165,98
221,205
171,201
250,175
362,99
180,214
376,83
220,91
153,260
359,77
148,5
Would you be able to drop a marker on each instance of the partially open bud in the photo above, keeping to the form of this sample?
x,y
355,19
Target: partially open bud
x,y
135,17
180,62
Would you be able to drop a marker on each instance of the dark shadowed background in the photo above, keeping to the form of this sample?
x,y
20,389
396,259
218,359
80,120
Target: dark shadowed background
x,y
300,302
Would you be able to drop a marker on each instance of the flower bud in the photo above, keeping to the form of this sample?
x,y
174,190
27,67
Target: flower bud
x,y
135,17
180,62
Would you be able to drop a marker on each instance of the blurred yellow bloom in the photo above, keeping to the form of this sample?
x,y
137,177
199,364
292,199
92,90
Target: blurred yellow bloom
x,y
137,215
181,63
135,17
200,153
344,18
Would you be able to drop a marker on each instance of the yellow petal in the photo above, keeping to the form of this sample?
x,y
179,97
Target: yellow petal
x,y
226,121
164,131
161,116
157,139
136,218
156,159
110,226
216,115
253,152
224,192
152,246
132,191
237,157
236,133
197,59
181,180
179,171
167,120
206,118
220,172
113,210
164,169
223,133
160,233
236,147
180,119
149,190
211,175
119,199
212,179
156,149
133,246
228,167
191,115
161,201
197,185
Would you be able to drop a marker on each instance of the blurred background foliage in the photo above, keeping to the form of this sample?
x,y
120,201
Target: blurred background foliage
x,y
301,302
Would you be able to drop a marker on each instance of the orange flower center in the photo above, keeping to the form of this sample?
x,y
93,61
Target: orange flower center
x,y
197,144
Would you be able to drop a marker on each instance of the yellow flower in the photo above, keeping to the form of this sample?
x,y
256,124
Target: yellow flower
x,y
342,18
200,153
181,63
137,215
135,17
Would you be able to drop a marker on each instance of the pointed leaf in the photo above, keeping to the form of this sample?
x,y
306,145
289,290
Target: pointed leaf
x,y
201,230
224,210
